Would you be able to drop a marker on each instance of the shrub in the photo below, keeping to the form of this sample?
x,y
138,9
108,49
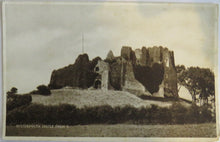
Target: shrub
x,y
206,114
34,92
178,113
12,91
70,115
16,116
14,101
164,116
193,114
43,90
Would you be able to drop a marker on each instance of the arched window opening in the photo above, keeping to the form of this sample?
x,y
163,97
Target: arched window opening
x,y
97,84
97,69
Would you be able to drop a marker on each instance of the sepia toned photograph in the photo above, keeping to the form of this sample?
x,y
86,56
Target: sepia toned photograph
x,y
110,70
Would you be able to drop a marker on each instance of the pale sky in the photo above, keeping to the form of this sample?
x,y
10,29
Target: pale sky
x,y
41,37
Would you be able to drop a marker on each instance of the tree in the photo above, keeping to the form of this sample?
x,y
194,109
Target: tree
x,y
11,94
180,77
199,81
180,68
15,100
12,91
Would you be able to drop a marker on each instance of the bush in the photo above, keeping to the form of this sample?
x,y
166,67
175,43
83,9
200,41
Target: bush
x,y
178,113
12,91
206,114
70,115
43,90
14,101
193,114
34,92
164,116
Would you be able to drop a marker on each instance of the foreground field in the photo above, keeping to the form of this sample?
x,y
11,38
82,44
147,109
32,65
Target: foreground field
x,y
119,130
81,98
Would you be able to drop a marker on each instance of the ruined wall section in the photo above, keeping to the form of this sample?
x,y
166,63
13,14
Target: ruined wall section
x,y
160,55
155,55
122,73
170,75
130,83
128,54
110,55
80,74
116,73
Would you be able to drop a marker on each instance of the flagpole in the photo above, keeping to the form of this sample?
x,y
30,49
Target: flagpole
x,y
82,43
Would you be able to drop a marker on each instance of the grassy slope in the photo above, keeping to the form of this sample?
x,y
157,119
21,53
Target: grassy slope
x,y
119,130
82,98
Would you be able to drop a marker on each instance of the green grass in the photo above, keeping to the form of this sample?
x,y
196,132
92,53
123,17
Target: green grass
x,y
118,130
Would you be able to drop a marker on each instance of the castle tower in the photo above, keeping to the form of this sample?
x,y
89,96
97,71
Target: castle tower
x,y
102,80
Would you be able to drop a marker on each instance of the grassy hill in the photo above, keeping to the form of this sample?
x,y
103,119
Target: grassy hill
x,y
82,98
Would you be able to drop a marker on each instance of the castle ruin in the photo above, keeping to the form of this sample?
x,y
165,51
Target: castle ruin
x,y
142,71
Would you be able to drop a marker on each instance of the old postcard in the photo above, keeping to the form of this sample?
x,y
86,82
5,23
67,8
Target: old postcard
x,y
118,71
